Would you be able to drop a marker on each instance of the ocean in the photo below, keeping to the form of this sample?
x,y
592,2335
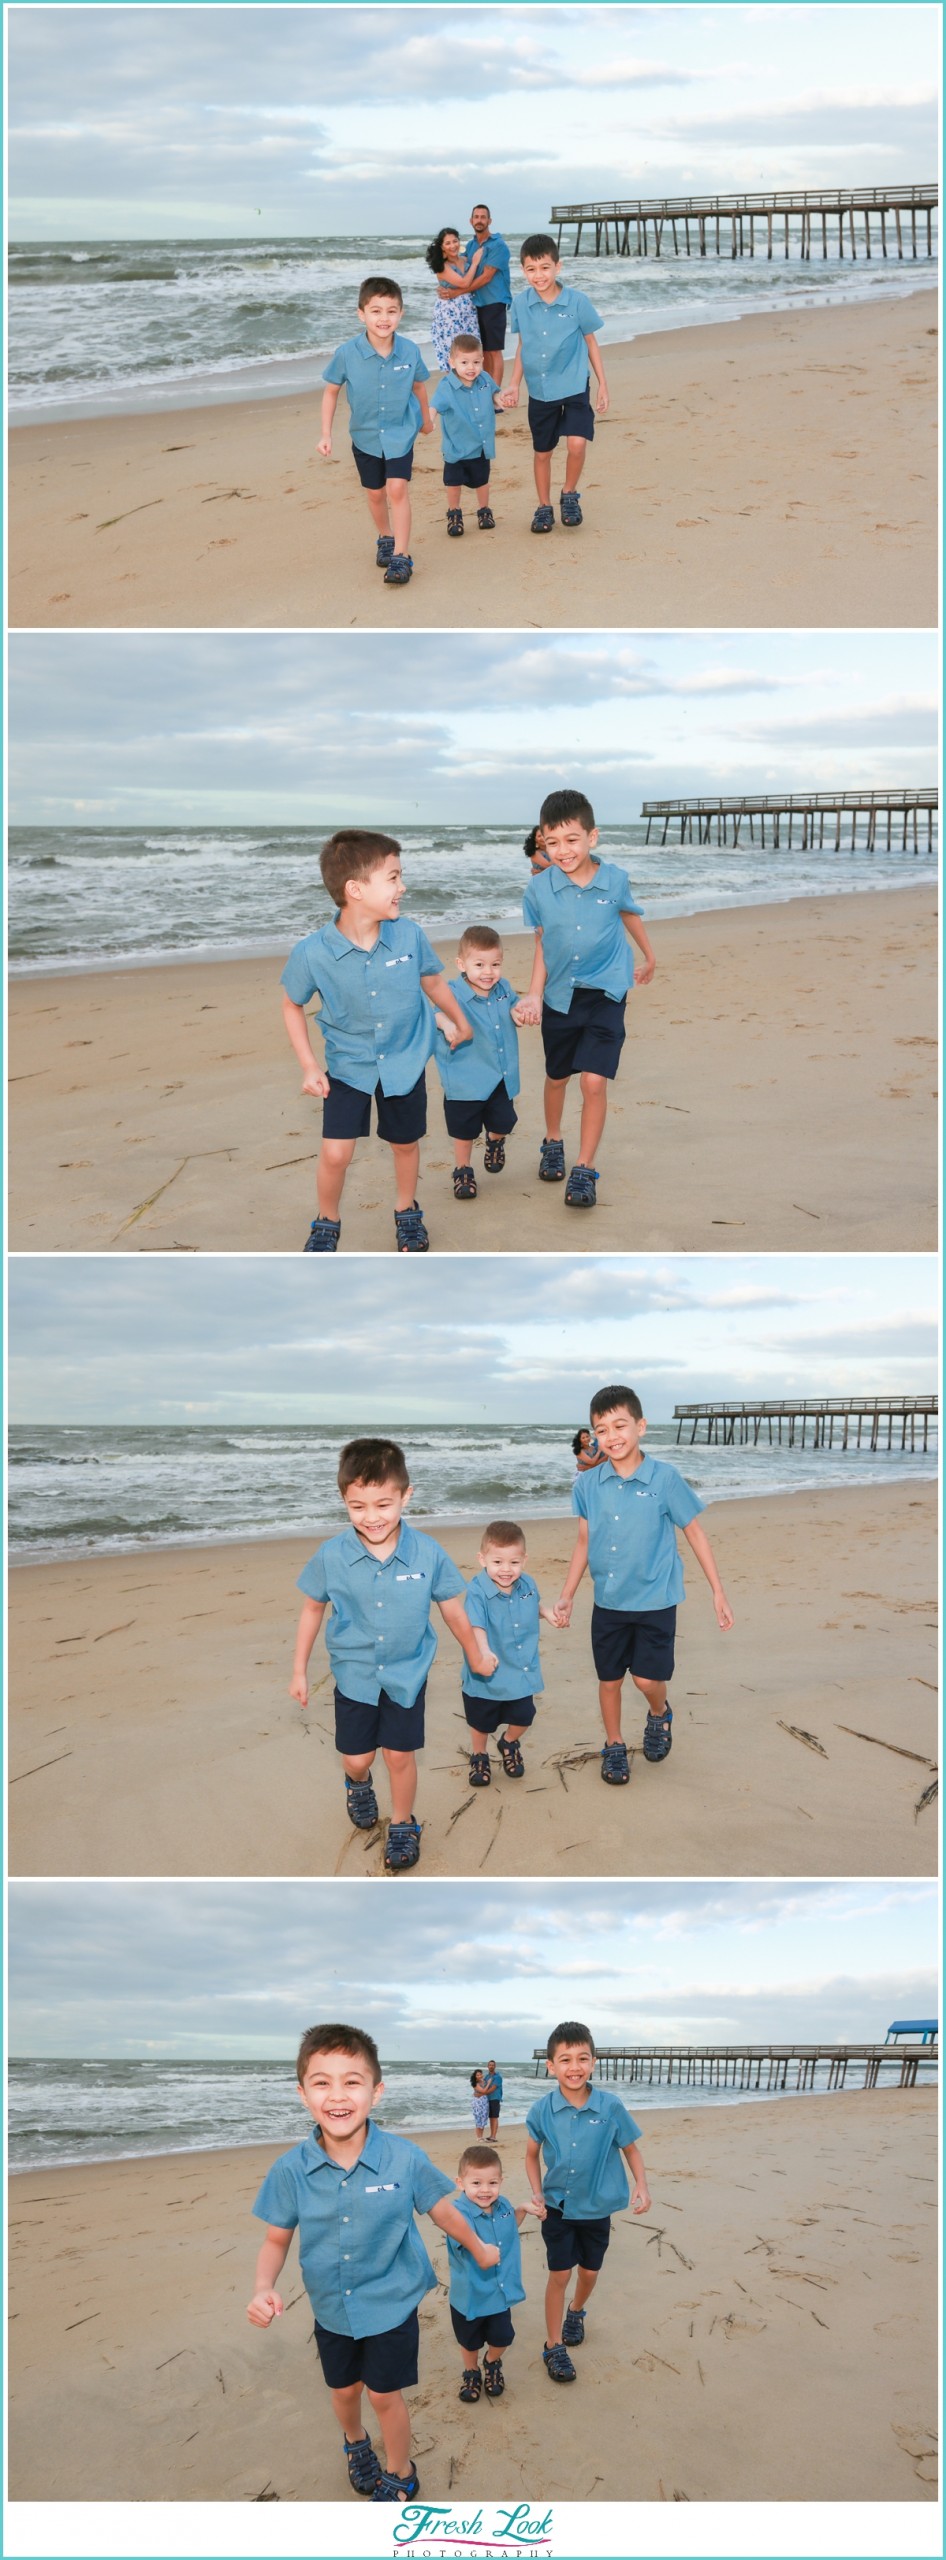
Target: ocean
x,y
112,325
99,897
103,1489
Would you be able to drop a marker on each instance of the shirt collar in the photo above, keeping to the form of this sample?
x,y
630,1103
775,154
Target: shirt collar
x,y
341,944
356,1551
363,341
560,879
645,1471
313,2156
559,2100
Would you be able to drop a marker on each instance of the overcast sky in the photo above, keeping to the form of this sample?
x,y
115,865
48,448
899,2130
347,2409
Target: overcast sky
x,y
222,121
263,728
503,1338
240,1969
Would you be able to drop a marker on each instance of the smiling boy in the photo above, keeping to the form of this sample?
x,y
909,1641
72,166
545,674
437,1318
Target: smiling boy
x,y
584,916
480,1079
464,406
503,1602
555,326
586,2134
386,380
481,2299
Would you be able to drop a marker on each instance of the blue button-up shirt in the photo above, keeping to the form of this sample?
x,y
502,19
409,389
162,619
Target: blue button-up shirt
x,y
510,1622
383,415
632,1549
478,2292
584,943
496,2090
364,2264
379,1635
499,288
467,417
552,335
473,1071
377,1023
583,2171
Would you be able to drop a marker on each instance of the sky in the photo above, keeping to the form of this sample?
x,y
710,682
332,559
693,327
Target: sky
x,y
271,728
203,122
507,1338
237,1970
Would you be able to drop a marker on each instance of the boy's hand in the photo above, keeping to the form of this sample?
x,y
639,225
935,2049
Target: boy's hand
x,y
604,399
324,446
640,2201
724,1615
299,1688
427,426
536,2205
264,2308
487,2255
510,399
562,1613
451,1030
487,1664
642,977
316,1081
528,1009
550,1616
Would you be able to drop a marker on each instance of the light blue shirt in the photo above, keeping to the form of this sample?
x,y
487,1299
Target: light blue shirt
x,y
472,1072
555,358
467,417
510,1623
632,1549
499,288
364,2264
377,1024
478,2292
383,415
584,943
379,1635
583,2172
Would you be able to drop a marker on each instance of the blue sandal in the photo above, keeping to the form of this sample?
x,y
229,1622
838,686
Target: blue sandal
x,y
385,551
573,2329
323,1236
361,1803
580,1190
402,1847
614,1764
658,1739
569,507
481,1774
411,1233
399,569
494,1155
543,520
552,1160
558,2364
364,2469
389,2488
511,1757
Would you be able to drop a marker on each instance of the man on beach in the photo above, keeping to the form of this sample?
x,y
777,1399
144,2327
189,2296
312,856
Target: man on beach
x,y
494,2092
492,293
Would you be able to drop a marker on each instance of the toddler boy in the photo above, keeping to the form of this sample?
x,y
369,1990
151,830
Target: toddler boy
x,y
385,377
464,405
583,912
378,980
583,2132
380,1578
352,2192
481,2297
480,1081
555,326
503,1601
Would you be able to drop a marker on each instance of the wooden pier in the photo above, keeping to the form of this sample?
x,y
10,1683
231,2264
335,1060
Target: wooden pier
x,y
789,222
766,2067
890,818
908,1421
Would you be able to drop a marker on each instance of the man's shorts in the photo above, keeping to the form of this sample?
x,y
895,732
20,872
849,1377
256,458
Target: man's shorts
x,y
386,2362
574,2244
588,1039
376,469
384,1727
472,473
402,1117
468,1119
636,1640
550,419
491,318
485,1715
492,2329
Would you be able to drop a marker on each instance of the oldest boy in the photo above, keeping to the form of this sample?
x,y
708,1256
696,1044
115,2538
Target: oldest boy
x,y
555,327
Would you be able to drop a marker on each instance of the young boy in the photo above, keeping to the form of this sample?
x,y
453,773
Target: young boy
x,y
380,370
480,2298
503,1601
555,327
583,2131
379,981
352,2192
629,1508
464,406
380,1579
583,913
480,1081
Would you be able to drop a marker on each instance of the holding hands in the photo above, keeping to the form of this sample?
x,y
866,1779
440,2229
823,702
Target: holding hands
x,y
528,1010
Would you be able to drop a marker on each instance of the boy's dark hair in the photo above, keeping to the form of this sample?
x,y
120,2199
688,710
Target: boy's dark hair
x,y
372,1462
434,252
611,1399
503,1533
560,806
571,2031
479,937
530,847
379,285
466,345
539,245
352,853
335,2039
478,2155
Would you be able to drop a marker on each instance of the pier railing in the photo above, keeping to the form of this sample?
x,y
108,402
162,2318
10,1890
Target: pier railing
x,y
909,1420
800,219
892,816
761,2066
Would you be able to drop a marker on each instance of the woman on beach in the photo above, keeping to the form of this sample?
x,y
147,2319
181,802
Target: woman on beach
x,y
454,309
480,2101
585,1451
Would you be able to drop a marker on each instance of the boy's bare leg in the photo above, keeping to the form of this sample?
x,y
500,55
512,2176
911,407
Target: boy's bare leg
x,y
609,1700
574,460
335,1155
462,1152
542,472
470,2359
514,1732
479,1741
555,2293
380,511
357,1764
399,500
587,2280
655,1692
395,2421
406,1170
454,497
555,1092
482,495
493,364
402,1770
594,1112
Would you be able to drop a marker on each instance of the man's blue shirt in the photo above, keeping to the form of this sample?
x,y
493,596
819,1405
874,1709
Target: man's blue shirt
x,y
379,1635
471,1072
377,1024
632,1548
499,288
584,943
478,2292
552,335
364,2264
583,2172
384,416
467,417
510,1623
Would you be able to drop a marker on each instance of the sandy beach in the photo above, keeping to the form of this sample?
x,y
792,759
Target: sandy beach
x,y
159,1109
150,1737
778,469
768,2332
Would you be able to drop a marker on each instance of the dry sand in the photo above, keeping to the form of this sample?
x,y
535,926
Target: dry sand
x,y
160,1109
150,1738
768,2332
774,469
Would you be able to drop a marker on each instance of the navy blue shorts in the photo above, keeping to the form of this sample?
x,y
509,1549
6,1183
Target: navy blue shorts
x,y
636,1640
485,1715
588,1039
402,1117
386,2362
376,469
491,320
550,419
472,473
384,1727
466,1119
574,2244
492,2329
